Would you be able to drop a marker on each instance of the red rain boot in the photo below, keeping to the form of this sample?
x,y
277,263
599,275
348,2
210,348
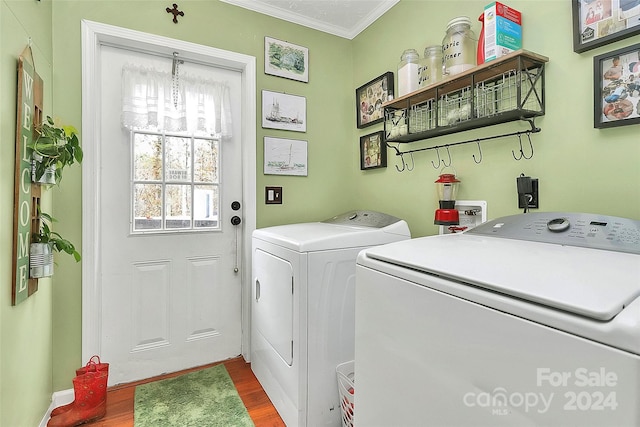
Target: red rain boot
x,y
94,361
90,400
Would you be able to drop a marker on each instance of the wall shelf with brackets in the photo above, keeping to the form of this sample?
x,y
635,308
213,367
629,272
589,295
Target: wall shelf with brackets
x,y
507,89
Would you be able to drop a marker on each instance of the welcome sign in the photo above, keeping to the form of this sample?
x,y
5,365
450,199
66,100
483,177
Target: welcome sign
x,y
28,113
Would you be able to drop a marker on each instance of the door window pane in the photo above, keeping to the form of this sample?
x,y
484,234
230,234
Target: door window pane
x,y
147,206
178,206
175,183
205,160
205,206
147,157
178,159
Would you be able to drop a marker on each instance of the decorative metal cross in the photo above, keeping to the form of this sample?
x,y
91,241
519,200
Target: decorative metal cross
x,y
175,12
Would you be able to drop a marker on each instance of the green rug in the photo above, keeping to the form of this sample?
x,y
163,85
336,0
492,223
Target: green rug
x,y
205,398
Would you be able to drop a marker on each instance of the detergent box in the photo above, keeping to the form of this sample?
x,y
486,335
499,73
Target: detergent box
x,y
502,30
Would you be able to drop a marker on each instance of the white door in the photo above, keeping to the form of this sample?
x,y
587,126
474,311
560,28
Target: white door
x,y
168,253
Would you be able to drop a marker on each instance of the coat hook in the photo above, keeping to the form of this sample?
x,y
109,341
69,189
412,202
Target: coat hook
x,y
413,165
404,166
521,152
522,155
443,162
479,151
398,153
530,145
439,160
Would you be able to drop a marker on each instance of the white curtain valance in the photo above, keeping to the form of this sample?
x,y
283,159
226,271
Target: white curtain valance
x,y
154,100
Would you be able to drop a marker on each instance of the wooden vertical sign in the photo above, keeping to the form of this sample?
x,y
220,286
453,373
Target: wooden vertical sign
x,y
25,208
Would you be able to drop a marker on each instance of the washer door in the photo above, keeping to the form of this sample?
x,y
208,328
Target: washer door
x,y
273,302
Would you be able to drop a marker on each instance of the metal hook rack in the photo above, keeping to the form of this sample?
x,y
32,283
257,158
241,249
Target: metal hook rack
x,y
442,163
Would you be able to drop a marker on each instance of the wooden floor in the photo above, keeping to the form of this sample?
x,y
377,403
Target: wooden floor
x,y
262,412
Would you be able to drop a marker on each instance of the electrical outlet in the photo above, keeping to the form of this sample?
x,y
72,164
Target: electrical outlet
x,y
533,203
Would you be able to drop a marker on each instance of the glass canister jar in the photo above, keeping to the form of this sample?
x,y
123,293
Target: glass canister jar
x,y
408,72
459,46
430,70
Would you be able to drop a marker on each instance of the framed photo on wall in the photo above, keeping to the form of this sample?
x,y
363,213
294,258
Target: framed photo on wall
x,y
373,151
285,156
617,87
369,99
284,111
284,59
599,22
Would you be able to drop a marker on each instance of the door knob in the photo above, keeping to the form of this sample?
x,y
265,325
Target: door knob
x,y
236,220
235,205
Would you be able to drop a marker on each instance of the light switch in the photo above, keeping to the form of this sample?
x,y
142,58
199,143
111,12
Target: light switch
x,y
273,195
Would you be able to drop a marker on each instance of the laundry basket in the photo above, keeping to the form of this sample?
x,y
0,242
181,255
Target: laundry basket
x,y
346,383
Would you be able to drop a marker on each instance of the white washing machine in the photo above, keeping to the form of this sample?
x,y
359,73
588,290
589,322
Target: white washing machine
x,y
528,320
303,309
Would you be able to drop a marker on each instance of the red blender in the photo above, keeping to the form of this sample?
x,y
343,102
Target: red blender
x,y
447,186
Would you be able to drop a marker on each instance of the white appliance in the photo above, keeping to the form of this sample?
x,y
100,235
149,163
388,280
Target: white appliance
x,y
528,320
303,309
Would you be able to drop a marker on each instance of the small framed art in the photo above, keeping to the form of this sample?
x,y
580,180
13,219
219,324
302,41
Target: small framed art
x,y
285,156
370,97
373,151
283,111
599,22
617,87
284,59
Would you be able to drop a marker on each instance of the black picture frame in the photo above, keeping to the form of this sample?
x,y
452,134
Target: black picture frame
x,y
614,21
616,91
370,97
373,151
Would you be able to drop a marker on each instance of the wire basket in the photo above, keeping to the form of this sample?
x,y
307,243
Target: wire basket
x,y
455,107
423,116
346,384
395,123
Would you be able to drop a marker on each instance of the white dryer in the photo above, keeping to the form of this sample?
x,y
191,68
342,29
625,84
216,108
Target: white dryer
x,y
528,320
303,309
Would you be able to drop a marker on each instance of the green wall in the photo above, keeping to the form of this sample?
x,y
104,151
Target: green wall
x,y
329,122
579,168
25,330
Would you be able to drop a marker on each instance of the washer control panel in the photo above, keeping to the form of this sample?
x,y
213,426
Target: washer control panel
x,y
572,229
363,219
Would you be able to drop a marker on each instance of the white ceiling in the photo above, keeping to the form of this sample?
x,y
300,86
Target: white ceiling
x,y
344,18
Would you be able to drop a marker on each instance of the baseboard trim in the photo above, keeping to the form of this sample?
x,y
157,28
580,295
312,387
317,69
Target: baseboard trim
x,y
58,398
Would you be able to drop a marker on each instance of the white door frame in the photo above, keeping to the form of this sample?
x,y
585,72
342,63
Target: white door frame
x,y
93,35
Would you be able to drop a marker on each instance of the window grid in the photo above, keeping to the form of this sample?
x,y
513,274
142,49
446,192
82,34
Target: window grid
x,y
194,190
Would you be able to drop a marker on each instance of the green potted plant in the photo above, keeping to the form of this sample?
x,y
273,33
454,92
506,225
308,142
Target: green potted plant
x,y
43,243
54,148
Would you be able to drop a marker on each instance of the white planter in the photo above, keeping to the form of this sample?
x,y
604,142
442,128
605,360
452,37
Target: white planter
x,y
40,260
49,177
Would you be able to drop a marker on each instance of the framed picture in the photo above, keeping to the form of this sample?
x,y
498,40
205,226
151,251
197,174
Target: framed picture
x,y
285,156
373,151
283,111
286,60
598,22
369,99
617,87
